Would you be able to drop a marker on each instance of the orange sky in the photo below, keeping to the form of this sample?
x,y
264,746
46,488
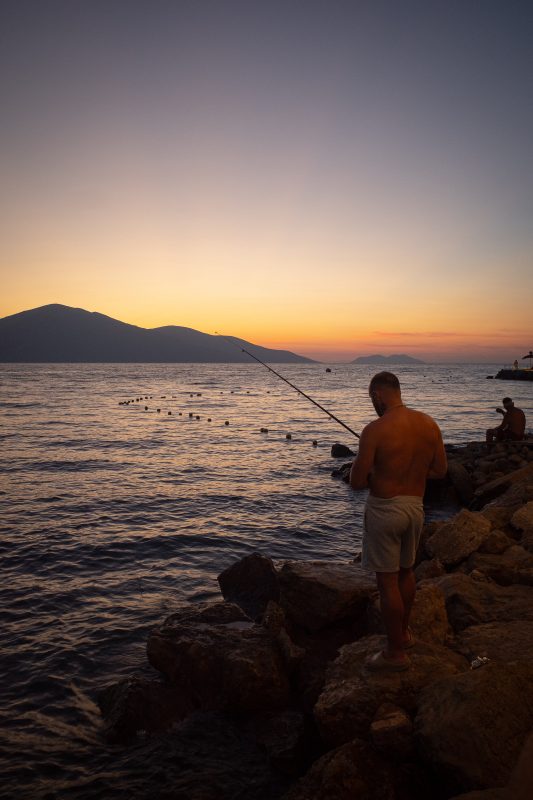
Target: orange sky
x,y
365,190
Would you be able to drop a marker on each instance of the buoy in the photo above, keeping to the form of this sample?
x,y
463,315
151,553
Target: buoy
x,y
146,408
170,413
328,369
315,443
209,419
158,410
264,430
198,394
288,436
191,415
191,395
197,417
180,414
226,422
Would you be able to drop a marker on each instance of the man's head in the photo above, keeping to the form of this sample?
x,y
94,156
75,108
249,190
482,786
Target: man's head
x,y
384,391
507,403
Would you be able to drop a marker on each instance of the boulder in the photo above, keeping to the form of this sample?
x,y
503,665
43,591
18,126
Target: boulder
x,y
274,620
341,451
351,772
514,565
461,481
352,695
472,726
495,543
455,540
220,659
137,705
429,620
391,731
250,583
471,602
500,511
317,594
511,640
522,520
430,568
286,737
497,487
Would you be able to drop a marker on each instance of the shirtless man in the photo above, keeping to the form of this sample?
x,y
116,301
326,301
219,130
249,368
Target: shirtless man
x,y
397,453
513,424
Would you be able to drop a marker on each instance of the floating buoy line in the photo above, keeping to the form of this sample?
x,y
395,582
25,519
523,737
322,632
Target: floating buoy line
x,y
139,402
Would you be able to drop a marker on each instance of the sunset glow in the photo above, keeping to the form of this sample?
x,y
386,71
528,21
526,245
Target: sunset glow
x,y
337,179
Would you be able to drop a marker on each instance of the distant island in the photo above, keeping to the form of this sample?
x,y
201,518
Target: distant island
x,y
60,334
397,359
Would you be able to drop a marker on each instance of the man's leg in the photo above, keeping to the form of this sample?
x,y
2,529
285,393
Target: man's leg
x,y
392,613
407,587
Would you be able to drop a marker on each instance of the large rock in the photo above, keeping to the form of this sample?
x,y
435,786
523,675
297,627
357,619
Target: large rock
x,y
287,739
497,487
522,520
461,481
514,565
391,731
501,510
470,602
317,594
352,695
351,772
499,641
429,620
137,705
429,568
220,659
455,540
496,543
250,583
471,727
341,451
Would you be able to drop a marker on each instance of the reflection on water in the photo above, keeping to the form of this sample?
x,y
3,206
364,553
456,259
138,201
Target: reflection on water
x,y
112,514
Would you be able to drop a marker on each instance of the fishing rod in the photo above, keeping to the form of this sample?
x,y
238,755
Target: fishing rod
x,y
243,350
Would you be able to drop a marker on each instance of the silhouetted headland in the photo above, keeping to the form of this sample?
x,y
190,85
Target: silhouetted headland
x,y
61,334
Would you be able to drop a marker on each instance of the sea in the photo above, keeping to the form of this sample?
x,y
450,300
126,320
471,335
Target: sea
x,y
125,489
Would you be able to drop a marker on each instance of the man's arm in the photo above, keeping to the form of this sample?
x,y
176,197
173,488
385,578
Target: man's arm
x,y
439,466
363,463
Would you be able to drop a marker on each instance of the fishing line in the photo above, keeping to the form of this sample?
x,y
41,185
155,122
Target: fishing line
x,y
243,350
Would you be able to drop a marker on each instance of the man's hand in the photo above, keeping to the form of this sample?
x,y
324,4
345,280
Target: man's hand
x,y
500,411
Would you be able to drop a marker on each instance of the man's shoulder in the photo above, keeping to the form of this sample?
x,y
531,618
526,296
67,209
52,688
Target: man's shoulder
x,y
423,417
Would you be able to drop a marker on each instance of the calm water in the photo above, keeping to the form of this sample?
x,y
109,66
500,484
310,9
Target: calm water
x,y
112,514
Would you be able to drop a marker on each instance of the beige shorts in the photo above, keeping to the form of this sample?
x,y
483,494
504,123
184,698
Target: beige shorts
x,y
391,532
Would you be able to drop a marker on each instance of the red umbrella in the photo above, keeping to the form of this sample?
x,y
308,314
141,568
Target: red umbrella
x,y
530,356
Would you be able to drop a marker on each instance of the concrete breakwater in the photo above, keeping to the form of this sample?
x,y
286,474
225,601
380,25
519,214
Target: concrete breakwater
x,y
276,667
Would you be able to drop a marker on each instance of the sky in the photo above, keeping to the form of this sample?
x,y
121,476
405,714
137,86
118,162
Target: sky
x,y
338,178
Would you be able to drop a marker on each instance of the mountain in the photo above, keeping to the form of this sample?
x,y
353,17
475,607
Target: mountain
x,y
398,359
57,333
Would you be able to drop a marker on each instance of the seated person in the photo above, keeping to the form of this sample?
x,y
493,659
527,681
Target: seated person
x,y
513,425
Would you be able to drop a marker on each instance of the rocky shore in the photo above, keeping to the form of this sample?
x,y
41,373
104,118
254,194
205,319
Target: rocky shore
x,y
268,685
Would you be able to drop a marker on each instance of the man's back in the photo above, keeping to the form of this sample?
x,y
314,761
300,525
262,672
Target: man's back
x,y
407,449
515,422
